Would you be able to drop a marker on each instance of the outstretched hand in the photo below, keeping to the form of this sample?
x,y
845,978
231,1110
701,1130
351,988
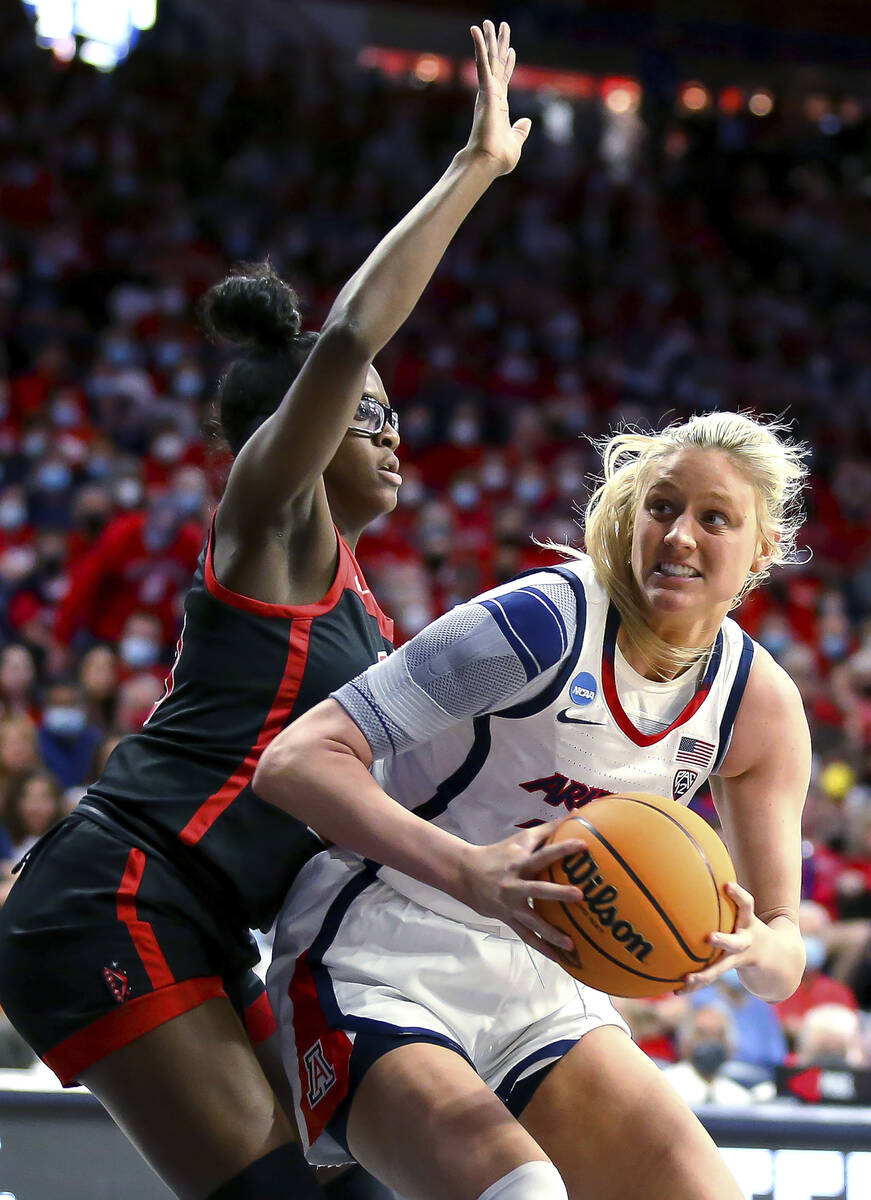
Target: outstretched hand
x,y
503,882
492,133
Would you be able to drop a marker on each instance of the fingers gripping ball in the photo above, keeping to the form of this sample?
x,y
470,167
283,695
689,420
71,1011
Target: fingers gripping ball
x,y
652,878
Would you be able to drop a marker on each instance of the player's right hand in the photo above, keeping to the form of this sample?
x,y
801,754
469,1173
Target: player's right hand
x,y
492,134
502,881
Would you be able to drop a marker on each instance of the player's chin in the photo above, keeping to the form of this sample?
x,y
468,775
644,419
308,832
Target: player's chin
x,y
389,494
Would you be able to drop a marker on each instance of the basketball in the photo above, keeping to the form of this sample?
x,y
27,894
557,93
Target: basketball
x,y
652,877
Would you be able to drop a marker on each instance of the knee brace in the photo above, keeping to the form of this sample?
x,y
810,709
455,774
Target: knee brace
x,y
280,1174
532,1181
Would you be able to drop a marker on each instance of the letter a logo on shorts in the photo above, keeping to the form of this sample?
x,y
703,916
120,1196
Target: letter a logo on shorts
x,y
321,1075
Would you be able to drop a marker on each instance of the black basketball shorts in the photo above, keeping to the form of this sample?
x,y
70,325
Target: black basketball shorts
x,y
101,942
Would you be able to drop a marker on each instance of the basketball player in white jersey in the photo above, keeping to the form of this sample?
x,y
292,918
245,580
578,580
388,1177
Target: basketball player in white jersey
x,y
422,1034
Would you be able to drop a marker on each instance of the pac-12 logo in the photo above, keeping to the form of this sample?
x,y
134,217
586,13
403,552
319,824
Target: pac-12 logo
x,y
683,781
583,689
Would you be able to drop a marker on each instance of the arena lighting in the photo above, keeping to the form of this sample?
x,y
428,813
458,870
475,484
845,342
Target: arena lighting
x,y
430,67
694,97
621,96
761,103
101,32
731,101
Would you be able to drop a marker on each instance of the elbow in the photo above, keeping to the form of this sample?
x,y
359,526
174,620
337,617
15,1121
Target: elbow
x,y
346,336
273,775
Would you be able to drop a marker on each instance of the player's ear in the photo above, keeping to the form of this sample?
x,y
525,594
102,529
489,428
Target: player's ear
x,y
766,548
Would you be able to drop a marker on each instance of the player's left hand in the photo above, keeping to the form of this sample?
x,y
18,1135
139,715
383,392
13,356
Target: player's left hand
x,y
738,947
493,135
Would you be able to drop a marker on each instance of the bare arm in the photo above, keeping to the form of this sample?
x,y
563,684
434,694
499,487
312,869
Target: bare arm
x,y
283,461
318,770
760,794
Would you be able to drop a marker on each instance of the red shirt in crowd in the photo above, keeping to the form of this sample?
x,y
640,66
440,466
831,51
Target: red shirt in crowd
x,y
122,575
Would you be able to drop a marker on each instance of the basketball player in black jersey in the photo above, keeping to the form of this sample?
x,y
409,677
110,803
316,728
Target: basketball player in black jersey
x,y
125,957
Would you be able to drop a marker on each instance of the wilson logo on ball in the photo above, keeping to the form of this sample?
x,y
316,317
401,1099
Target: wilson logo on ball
x,y
600,899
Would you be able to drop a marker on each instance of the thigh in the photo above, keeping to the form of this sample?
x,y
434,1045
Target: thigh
x,y
615,1127
424,1123
193,1099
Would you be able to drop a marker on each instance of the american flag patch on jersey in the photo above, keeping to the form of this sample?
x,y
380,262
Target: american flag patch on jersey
x,y
694,750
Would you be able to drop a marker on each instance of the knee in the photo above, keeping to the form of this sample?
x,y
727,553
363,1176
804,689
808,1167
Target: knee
x,y
532,1181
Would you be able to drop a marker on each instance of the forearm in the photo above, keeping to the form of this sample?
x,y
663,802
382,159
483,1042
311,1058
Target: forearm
x,y
330,789
778,962
382,293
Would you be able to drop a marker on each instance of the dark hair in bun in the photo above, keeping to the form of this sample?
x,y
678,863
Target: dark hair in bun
x,y
257,310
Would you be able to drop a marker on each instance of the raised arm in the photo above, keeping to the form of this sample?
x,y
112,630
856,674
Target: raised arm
x,y
284,459
759,794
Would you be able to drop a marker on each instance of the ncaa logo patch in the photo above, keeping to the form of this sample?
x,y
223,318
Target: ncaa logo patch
x,y
321,1075
583,689
115,979
683,782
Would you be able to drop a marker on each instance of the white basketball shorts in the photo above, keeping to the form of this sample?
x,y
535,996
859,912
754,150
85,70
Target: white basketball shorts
x,y
355,956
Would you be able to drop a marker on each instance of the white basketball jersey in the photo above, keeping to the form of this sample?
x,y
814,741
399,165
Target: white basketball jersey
x,y
575,742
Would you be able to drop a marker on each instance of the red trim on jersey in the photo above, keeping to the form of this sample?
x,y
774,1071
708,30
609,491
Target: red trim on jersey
x,y
385,624
612,699
169,682
141,931
348,577
260,1020
282,705
322,1053
127,1023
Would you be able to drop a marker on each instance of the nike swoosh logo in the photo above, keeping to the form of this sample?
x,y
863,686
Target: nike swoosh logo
x,y
566,715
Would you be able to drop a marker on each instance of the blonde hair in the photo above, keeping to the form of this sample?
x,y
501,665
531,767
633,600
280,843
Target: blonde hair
x,y
762,451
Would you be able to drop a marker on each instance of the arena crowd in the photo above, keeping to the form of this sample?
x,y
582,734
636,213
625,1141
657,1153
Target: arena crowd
x,y
718,262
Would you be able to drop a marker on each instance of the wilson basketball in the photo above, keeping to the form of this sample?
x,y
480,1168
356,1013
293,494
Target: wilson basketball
x,y
652,879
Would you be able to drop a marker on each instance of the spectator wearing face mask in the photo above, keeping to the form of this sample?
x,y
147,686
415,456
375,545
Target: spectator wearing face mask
x,y
92,510
15,526
66,740
759,1041
817,987
705,1042
830,1037
140,647
50,486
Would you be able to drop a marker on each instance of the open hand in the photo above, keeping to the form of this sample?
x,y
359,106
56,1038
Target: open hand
x,y
492,133
503,882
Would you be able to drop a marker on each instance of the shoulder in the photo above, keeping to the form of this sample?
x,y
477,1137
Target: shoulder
x,y
771,718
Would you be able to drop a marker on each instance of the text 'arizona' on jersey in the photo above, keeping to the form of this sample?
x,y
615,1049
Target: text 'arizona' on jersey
x,y
243,670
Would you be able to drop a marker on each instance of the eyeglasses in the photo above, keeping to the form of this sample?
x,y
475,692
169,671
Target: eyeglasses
x,y
371,417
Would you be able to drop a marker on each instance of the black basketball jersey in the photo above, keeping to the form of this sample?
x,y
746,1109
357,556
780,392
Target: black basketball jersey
x,y
243,670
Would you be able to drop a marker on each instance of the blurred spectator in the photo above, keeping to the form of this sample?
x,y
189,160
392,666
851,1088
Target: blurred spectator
x,y
18,749
140,646
759,1041
829,1036
33,805
817,987
66,740
141,561
705,1044
137,696
17,681
98,680
654,1023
